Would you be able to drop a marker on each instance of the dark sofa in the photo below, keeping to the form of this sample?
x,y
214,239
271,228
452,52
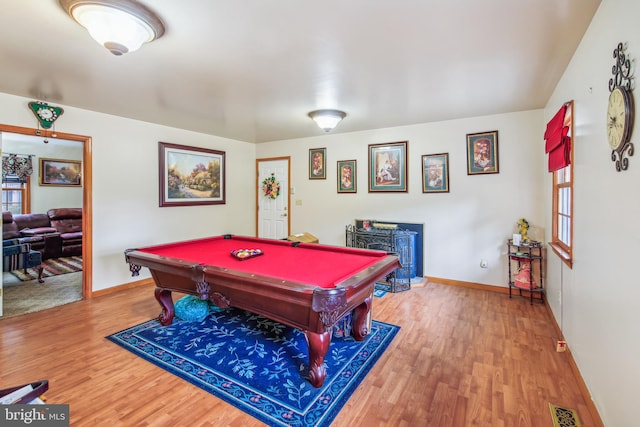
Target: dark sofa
x,y
54,234
68,222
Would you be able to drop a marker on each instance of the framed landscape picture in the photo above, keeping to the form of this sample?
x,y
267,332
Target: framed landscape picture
x,y
191,176
317,163
347,176
482,153
60,173
388,167
435,173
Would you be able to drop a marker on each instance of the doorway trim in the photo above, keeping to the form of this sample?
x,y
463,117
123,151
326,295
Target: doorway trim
x,y
269,159
87,187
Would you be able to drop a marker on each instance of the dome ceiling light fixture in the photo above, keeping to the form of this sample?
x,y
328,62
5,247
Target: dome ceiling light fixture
x,y
327,119
121,26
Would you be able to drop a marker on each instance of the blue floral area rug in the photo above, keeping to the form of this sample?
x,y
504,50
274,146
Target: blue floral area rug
x,y
258,365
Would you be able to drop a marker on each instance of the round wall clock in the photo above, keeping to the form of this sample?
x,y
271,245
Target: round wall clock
x,y
620,110
46,114
619,117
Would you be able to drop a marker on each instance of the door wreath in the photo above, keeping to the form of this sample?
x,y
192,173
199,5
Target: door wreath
x,y
271,187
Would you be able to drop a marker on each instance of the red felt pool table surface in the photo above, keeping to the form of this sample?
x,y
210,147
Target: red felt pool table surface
x,y
307,263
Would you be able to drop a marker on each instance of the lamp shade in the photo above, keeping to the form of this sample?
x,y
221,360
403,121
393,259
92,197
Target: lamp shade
x,y
121,26
327,119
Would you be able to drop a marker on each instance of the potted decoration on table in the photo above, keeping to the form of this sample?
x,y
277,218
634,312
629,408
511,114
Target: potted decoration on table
x,y
523,230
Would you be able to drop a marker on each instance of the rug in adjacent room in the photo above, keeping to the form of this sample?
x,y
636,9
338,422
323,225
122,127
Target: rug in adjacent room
x,y
52,267
28,297
258,365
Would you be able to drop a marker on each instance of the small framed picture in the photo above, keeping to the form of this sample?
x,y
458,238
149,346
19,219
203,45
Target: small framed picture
x,y
482,153
435,173
60,173
191,176
317,163
347,176
388,167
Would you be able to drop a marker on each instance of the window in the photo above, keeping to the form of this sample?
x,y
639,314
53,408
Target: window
x,y
562,216
15,195
16,173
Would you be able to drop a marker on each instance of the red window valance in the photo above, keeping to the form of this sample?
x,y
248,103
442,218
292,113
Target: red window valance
x,y
558,141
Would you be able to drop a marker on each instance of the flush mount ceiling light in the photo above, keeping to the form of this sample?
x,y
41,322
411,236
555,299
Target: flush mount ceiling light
x,y
327,119
119,25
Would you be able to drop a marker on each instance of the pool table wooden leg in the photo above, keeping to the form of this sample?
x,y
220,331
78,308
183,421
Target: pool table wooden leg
x,y
318,345
163,297
360,327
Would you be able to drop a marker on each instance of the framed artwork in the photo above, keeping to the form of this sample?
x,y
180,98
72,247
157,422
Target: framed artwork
x,y
191,176
435,173
347,176
388,167
317,163
482,153
60,173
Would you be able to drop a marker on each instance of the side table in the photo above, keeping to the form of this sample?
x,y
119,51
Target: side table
x,y
525,269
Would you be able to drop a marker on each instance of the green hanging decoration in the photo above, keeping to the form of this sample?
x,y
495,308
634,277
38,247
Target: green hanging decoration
x,y
45,113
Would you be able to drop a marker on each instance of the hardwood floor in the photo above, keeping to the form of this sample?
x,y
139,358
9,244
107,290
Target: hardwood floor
x,y
463,357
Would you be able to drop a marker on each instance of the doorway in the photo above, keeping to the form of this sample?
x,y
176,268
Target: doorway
x,y
273,220
38,136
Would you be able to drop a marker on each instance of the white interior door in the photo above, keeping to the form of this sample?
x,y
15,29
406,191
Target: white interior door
x,y
273,214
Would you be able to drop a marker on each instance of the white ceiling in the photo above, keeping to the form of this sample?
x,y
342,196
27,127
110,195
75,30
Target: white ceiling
x,y
252,69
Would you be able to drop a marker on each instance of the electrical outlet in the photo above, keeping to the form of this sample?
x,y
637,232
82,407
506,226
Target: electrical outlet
x,y
484,263
561,346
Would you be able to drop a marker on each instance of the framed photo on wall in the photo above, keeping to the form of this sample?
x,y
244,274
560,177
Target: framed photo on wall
x,y
347,176
388,167
317,163
60,173
435,173
482,153
191,176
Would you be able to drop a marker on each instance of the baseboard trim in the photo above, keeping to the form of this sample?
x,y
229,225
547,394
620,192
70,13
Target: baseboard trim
x,y
130,285
593,411
472,285
591,406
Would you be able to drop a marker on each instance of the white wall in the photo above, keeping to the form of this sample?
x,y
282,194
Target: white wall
x,y
126,212
596,302
461,227
470,222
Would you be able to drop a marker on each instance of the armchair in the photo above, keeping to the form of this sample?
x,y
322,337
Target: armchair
x,y
16,255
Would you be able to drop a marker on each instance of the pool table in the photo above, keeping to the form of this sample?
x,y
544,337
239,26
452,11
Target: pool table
x,y
304,285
